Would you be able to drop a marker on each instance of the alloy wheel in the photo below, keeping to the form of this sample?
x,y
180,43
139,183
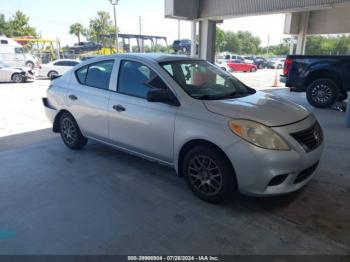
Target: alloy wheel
x,y
17,78
205,175
69,131
321,93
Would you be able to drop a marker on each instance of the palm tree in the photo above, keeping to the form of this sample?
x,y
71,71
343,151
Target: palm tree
x,y
77,29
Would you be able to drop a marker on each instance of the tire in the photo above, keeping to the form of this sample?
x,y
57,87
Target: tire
x,y
30,65
17,78
51,74
322,93
253,69
279,67
70,132
224,68
202,166
260,66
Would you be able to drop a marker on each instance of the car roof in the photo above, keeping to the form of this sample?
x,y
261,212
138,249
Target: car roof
x,y
155,57
70,60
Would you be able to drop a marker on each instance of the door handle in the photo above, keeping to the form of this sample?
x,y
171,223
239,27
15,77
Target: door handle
x,y
73,97
119,108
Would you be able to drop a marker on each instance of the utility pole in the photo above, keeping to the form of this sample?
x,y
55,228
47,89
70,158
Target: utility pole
x,y
178,29
115,3
268,43
140,25
140,33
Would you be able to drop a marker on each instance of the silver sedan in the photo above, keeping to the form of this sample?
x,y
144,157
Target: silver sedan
x,y
216,132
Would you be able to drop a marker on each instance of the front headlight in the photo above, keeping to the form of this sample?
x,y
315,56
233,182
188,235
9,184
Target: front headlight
x,y
258,134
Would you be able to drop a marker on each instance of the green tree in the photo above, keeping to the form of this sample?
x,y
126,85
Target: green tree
x,y
231,43
77,29
220,39
323,45
3,25
249,43
18,25
100,25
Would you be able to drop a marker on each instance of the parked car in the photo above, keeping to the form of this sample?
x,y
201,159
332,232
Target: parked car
x,y
86,47
238,65
216,132
276,63
260,62
242,58
325,79
57,67
228,57
223,65
11,53
16,75
183,45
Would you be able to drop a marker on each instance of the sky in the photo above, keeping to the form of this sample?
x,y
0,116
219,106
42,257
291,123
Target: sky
x,y
53,18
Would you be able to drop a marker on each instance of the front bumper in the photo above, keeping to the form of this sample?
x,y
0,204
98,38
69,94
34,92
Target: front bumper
x,y
256,168
29,76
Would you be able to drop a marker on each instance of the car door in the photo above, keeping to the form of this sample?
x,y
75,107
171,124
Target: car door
x,y
88,97
238,65
135,124
3,74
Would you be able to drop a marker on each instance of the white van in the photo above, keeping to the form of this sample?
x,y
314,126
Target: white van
x,y
12,54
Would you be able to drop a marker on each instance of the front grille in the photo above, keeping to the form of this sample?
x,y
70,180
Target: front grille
x,y
310,138
302,176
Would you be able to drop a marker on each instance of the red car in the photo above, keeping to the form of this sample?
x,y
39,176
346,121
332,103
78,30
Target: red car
x,y
239,65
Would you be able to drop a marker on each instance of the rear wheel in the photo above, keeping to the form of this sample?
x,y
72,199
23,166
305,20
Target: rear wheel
x,y
322,93
70,132
17,78
209,174
51,74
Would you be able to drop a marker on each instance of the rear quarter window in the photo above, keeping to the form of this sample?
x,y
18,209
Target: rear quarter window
x,y
81,74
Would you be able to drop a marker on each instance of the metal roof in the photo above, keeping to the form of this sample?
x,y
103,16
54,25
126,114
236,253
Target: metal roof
x,y
223,9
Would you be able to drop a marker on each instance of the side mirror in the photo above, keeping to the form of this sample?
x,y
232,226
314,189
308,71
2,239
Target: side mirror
x,y
162,96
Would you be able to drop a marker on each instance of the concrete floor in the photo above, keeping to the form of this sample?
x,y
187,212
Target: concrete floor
x,y
101,201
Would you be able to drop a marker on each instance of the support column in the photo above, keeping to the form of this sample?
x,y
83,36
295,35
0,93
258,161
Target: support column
x,y
207,35
291,46
303,28
193,38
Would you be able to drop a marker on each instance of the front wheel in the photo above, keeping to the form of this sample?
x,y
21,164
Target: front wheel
x,y
322,93
70,132
17,78
209,174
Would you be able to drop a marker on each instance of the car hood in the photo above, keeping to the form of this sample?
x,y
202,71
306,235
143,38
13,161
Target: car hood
x,y
260,107
13,69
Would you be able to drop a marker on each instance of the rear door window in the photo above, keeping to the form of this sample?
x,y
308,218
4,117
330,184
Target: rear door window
x,y
96,75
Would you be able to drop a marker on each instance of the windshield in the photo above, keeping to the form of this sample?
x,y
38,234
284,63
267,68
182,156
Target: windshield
x,y
202,80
